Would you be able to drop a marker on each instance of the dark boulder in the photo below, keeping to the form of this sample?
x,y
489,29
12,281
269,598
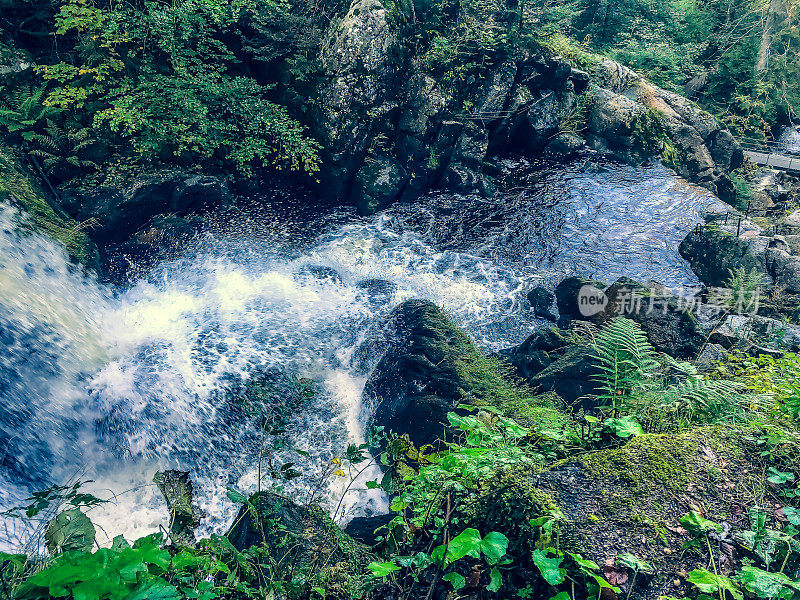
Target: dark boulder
x,y
117,212
429,367
572,303
363,529
571,376
537,351
541,300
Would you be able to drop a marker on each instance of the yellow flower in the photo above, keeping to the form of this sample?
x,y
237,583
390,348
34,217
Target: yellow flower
x,y
339,473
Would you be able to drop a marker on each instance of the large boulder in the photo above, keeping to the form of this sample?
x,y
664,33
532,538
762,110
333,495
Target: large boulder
x,y
714,250
571,376
782,265
429,367
702,150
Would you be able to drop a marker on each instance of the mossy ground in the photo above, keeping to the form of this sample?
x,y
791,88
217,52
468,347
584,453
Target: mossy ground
x,y
17,187
629,499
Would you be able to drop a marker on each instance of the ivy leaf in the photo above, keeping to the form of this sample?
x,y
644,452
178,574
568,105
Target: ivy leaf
x,y
456,580
710,583
549,567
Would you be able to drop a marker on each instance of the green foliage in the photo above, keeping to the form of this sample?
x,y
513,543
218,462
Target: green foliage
x,y
22,111
626,360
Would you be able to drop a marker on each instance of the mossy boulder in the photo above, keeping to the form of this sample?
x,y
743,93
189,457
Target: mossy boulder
x,y
430,366
629,499
303,539
714,250
18,187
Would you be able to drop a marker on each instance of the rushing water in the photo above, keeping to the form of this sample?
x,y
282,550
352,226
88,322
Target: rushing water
x,y
789,142
111,385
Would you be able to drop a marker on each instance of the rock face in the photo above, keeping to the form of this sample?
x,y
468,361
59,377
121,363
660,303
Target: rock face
x,y
782,265
429,367
118,212
358,84
715,249
19,188
630,114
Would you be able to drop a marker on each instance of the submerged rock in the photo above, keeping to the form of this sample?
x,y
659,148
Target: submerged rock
x,y
429,367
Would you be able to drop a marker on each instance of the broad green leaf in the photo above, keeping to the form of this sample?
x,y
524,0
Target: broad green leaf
x,y
624,427
70,530
494,546
633,562
495,580
466,543
237,497
582,562
792,515
549,567
382,569
698,524
779,477
155,589
764,584
711,583
456,580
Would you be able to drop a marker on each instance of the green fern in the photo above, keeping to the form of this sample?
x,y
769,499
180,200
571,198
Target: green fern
x,y
63,151
626,361
23,110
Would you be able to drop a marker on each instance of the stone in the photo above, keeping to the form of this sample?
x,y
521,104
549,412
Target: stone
x,y
541,300
710,355
783,266
428,368
378,182
564,146
363,529
568,299
571,376
119,211
178,491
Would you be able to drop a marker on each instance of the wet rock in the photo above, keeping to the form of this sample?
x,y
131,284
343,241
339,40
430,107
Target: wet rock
x,y
564,146
538,351
571,376
363,529
20,188
163,238
378,183
571,304
666,320
714,250
429,367
177,489
541,301
117,212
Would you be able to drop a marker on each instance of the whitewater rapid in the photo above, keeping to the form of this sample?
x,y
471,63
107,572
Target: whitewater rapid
x,y
113,384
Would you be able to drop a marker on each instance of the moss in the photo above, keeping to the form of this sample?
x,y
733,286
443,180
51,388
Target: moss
x,y
506,503
663,460
17,188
